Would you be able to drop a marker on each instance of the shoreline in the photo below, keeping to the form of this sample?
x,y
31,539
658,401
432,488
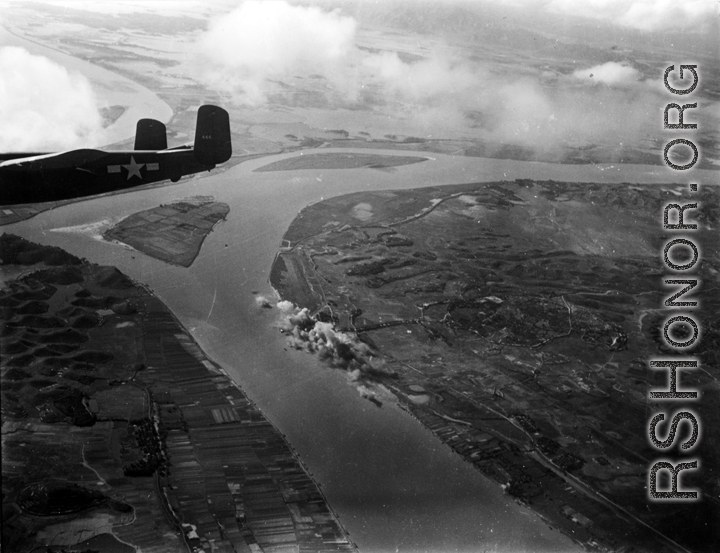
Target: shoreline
x,y
186,397
411,410
407,407
369,275
403,402
488,158
236,385
173,232
232,229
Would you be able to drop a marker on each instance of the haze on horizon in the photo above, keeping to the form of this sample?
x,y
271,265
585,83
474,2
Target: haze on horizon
x,y
459,69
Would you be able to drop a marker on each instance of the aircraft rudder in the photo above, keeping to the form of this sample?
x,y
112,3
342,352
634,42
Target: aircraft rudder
x,y
150,134
213,144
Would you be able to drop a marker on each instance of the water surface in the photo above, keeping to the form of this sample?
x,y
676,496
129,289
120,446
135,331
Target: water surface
x,y
393,485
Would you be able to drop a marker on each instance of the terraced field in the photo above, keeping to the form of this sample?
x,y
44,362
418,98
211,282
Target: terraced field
x,y
118,432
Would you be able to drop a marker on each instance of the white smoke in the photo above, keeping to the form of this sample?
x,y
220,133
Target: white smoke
x,y
367,393
611,73
43,106
287,307
339,349
294,320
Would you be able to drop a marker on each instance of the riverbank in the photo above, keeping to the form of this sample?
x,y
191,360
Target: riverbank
x,y
389,479
393,483
454,299
101,381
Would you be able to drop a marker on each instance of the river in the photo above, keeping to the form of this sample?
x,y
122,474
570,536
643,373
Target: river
x,y
393,485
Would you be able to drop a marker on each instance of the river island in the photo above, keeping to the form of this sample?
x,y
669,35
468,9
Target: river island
x,y
173,232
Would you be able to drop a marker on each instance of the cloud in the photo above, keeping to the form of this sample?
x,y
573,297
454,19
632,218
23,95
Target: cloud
x,y
273,52
261,41
611,73
576,112
645,15
130,6
420,81
43,106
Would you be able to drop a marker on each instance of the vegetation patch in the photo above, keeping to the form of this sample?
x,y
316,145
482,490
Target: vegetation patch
x,y
348,160
34,307
93,357
93,302
111,278
16,374
18,346
34,321
87,320
60,275
18,251
148,442
56,497
65,336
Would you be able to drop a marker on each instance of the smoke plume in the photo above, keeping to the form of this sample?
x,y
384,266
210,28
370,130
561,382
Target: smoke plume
x,y
43,106
611,73
339,349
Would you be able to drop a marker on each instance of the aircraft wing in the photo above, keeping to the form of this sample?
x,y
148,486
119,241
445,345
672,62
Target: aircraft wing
x,y
59,160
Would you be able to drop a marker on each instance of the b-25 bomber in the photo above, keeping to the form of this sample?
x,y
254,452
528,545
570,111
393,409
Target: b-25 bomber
x,y
45,177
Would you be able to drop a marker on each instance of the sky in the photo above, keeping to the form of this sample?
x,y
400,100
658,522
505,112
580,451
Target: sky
x,y
647,15
644,15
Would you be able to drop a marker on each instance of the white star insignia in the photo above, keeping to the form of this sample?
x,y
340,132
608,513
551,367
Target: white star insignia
x,y
134,168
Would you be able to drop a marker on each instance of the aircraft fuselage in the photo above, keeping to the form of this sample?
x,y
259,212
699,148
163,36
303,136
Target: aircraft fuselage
x,y
49,177
93,172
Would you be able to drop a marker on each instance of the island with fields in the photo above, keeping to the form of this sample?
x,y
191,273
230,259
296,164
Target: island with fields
x,y
340,161
173,233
